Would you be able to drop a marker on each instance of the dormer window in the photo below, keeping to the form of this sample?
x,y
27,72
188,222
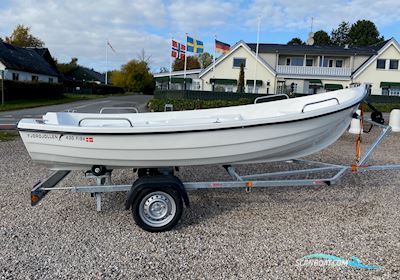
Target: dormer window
x,y
237,62
394,64
381,64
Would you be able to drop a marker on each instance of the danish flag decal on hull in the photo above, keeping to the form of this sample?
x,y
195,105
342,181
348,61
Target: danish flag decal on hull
x,y
89,139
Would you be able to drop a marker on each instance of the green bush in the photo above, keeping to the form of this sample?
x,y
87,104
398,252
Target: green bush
x,y
91,88
383,107
15,90
157,105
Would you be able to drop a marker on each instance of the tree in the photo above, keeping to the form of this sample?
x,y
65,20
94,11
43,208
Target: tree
x,y
191,63
321,38
340,36
295,41
66,68
143,57
21,37
135,77
205,59
240,86
364,33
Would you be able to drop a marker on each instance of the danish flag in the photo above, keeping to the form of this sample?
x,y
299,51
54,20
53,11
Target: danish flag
x,y
178,50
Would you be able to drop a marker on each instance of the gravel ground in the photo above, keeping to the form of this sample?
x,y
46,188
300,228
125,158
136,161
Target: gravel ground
x,y
225,234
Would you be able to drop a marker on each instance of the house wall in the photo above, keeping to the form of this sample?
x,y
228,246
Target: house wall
x,y
376,76
27,77
359,60
225,70
270,58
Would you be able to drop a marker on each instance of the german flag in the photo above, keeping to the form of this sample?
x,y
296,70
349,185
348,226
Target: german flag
x,y
222,47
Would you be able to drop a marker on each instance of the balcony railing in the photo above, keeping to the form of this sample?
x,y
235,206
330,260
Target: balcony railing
x,y
313,71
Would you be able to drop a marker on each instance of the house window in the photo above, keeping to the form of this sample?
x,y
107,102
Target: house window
x,y
15,76
297,61
228,88
339,63
239,61
195,85
324,62
250,89
330,62
51,80
219,88
391,91
309,62
394,64
35,78
381,64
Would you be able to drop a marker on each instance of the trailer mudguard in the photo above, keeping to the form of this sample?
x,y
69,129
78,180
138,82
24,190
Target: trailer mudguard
x,y
156,182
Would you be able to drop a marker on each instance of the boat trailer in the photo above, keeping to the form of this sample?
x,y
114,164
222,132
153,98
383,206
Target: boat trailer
x,y
156,197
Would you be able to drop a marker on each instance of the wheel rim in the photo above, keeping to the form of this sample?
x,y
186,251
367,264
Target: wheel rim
x,y
157,209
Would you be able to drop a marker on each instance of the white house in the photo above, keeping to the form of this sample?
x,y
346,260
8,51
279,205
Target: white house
x,y
306,69
26,64
175,80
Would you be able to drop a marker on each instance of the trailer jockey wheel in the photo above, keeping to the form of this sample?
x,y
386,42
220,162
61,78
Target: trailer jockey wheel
x,y
157,210
377,117
98,170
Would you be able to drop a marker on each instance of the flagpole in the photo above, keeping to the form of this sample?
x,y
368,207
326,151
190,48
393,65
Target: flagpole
x,y
106,64
170,66
258,39
184,67
215,39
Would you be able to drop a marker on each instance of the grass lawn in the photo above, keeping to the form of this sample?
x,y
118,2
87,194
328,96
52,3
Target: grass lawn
x,y
8,135
66,98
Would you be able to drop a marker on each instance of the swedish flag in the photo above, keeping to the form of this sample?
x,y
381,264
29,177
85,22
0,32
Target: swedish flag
x,y
194,45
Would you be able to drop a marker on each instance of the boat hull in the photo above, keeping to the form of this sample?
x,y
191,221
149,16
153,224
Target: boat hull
x,y
264,142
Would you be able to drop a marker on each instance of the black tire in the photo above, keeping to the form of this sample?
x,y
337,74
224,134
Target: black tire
x,y
161,198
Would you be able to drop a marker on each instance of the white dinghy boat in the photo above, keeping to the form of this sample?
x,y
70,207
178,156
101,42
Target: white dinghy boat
x,y
269,131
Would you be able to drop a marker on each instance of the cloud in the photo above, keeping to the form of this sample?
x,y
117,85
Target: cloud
x,y
193,16
296,15
79,28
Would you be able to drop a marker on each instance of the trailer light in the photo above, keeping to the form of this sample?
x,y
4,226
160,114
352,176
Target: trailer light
x,y
34,198
249,184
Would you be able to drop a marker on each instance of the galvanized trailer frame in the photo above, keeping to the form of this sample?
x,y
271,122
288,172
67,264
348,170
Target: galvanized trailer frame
x,y
259,180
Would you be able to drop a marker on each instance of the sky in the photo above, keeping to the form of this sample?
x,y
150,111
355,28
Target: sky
x,y
81,28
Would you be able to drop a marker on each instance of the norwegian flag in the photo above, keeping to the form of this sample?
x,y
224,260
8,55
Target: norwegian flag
x,y
178,50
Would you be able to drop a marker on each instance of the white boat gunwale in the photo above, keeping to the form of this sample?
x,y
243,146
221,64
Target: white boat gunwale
x,y
273,131
239,126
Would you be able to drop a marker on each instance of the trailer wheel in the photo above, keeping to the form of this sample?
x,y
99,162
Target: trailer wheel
x,y
98,170
157,210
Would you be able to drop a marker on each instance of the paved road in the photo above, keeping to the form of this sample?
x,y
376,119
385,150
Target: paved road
x,y
8,119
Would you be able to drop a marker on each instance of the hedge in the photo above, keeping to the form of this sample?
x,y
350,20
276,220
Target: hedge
x,y
157,105
91,88
203,95
383,99
15,90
